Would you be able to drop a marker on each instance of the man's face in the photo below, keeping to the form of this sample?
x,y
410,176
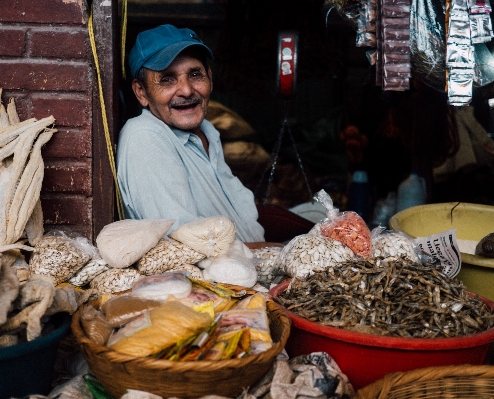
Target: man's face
x,y
179,94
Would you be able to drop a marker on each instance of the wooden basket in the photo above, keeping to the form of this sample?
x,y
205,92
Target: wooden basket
x,y
191,379
452,382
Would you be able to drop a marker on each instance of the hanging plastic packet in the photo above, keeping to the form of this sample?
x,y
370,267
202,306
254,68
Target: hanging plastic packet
x,y
460,82
460,56
481,28
346,227
479,6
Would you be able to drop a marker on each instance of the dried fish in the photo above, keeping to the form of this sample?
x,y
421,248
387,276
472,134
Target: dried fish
x,y
391,296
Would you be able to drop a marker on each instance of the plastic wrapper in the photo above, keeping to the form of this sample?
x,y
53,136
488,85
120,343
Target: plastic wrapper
x,y
428,42
460,86
348,10
255,301
481,28
160,286
115,280
485,246
157,329
254,319
201,295
306,253
168,254
212,236
388,243
59,255
235,267
265,263
95,325
123,243
348,227
479,6
484,65
121,309
460,56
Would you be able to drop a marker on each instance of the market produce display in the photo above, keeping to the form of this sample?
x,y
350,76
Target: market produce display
x,y
391,296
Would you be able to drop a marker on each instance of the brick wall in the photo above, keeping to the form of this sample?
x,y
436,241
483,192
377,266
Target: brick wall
x,y
45,65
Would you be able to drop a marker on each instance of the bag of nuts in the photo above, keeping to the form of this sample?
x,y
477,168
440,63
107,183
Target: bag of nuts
x,y
89,271
265,262
166,255
306,253
346,227
60,256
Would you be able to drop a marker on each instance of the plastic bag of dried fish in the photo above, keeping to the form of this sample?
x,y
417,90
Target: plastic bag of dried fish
x,y
346,227
386,243
61,255
265,262
306,253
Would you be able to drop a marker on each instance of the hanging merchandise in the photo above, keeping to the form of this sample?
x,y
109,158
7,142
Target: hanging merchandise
x,y
393,57
469,24
366,24
427,42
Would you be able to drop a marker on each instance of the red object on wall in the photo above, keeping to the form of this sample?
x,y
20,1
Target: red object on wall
x,y
287,63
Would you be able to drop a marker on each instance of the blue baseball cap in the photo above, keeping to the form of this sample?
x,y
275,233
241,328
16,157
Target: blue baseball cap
x,y
157,48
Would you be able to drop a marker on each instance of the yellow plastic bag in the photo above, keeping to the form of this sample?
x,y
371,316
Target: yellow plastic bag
x,y
158,328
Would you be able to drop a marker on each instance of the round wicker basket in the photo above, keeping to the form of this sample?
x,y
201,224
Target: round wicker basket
x,y
452,382
190,379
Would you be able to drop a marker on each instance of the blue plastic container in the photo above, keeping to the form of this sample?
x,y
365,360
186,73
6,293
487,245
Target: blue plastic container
x,y
27,368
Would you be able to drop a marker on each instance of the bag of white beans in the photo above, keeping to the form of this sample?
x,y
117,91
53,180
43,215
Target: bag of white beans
x,y
309,252
386,243
60,255
168,254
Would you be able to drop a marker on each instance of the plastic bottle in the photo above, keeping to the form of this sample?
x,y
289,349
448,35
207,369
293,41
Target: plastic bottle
x,y
411,192
359,198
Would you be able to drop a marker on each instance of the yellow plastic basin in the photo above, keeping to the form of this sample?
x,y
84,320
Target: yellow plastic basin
x,y
471,221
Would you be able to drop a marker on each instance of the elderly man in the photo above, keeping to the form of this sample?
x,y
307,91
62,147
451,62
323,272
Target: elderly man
x,y
170,161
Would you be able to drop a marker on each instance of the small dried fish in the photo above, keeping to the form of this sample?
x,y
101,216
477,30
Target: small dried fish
x,y
391,296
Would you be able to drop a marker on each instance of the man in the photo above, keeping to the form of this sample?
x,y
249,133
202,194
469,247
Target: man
x,y
170,161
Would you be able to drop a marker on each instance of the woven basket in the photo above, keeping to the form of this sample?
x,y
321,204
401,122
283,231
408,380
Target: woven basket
x,y
452,382
190,379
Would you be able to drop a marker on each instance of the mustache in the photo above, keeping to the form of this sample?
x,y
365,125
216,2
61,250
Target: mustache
x,y
187,101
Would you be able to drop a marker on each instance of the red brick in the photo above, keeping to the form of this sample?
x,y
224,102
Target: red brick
x,y
63,43
43,11
67,213
65,176
22,103
30,74
12,42
69,143
68,109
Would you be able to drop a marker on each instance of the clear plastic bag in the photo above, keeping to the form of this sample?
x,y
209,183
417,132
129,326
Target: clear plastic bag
x,y
124,242
235,267
159,287
386,243
60,255
212,236
95,325
346,227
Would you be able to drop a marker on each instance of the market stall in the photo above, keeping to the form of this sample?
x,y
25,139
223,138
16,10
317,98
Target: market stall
x,y
338,307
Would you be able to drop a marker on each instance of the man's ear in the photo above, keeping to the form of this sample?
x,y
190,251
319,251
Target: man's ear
x,y
210,74
140,92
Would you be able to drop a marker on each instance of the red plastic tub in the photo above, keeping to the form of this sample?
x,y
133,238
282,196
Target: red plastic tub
x,y
366,358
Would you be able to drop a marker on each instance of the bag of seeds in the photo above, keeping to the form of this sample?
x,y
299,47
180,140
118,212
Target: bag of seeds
x,y
60,255
115,280
386,243
309,252
168,254
265,262
346,227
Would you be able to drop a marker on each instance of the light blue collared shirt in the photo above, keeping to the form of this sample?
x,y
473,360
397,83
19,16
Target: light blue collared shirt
x,y
165,173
